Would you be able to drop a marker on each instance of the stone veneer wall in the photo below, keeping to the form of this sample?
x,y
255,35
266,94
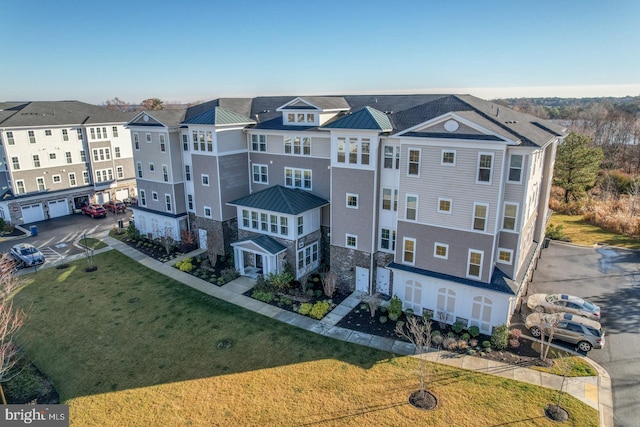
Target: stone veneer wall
x,y
220,235
344,262
325,246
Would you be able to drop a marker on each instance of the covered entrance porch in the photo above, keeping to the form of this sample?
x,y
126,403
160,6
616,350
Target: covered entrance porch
x,y
258,255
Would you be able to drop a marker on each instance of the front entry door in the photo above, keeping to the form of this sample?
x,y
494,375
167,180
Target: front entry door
x,y
382,281
259,261
362,279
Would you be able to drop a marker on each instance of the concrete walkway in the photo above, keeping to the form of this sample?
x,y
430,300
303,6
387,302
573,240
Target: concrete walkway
x,y
593,391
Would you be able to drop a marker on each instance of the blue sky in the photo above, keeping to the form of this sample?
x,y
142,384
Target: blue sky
x,y
199,50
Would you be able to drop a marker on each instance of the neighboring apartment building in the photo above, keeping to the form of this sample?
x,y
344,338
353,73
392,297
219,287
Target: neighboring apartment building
x,y
439,199
57,156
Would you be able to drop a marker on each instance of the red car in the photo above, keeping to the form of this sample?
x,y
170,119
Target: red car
x,y
94,210
114,206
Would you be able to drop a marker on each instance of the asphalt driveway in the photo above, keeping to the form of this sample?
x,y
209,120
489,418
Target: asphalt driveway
x,y
609,277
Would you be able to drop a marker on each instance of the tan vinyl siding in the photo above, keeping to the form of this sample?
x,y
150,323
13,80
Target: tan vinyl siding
x,y
345,220
234,181
230,140
205,195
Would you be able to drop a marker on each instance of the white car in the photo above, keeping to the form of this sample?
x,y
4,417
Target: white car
x,y
555,303
27,255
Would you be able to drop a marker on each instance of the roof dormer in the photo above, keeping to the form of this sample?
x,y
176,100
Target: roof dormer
x,y
311,111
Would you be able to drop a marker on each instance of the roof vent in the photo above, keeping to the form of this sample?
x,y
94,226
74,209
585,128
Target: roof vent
x,y
388,112
497,111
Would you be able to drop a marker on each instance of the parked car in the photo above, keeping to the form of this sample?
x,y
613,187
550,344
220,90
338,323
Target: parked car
x,y
94,210
115,206
26,255
584,333
129,201
555,303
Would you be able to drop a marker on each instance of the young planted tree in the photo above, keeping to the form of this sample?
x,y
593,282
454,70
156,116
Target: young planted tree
x,y
577,165
373,301
418,331
11,320
544,327
329,283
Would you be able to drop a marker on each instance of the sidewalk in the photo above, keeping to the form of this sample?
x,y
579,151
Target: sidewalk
x,y
593,391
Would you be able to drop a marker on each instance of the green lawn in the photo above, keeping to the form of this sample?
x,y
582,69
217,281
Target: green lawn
x,y
582,233
126,346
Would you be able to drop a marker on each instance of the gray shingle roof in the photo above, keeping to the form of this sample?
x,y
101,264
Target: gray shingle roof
x,y
365,118
281,199
218,116
267,243
56,113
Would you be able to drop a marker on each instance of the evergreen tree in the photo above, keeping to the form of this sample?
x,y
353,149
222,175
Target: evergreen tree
x,y
577,165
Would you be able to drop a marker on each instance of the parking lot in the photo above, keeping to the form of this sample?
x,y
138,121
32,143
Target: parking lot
x,y
610,278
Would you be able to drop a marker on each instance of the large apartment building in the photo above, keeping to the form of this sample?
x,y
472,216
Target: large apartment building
x,y
438,199
57,156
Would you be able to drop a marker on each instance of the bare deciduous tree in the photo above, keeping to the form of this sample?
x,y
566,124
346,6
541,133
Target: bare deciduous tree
x,y
117,104
373,301
418,331
329,283
11,320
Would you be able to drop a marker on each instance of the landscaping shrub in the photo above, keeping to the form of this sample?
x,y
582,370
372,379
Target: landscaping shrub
x,y
229,274
395,308
474,331
473,342
458,326
555,233
466,336
383,319
281,281
185,265
449,343
262,296
305,308
319,309
486,344
462,344
500,337
436,340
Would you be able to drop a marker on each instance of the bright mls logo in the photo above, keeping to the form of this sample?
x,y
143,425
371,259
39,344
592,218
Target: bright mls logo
x,y
39,415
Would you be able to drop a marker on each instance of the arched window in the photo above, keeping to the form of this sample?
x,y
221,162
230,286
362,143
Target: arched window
x,y
446,309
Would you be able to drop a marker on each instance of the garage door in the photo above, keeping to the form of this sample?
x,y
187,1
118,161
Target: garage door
x,y
58,208
102,198
32,213
122,194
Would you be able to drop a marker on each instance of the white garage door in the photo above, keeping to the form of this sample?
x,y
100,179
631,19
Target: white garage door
x,y
32,213
122,194
58,208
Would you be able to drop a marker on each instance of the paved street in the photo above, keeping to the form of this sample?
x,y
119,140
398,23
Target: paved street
x,y
609,277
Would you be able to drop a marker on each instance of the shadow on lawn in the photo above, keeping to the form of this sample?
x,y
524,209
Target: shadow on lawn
x,y
126,326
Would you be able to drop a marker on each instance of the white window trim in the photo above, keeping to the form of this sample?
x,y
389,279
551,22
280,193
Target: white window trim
x,y
347,201
521,169
445,199
404,240
455,157
346,240
409,150
202,180
165,168
515,222
392,240
152,167
148,138
72,174
493,158
471,251
486,218
24,187
53,179
435,247
253,173
509,251
154,196
293,179
204,211
406,206
143,197
169,199
139,170
190,207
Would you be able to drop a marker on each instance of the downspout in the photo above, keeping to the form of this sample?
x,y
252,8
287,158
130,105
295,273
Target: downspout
x,y
375,214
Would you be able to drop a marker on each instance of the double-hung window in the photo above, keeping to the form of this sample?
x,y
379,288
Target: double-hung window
x,y
412,208
509,217
259,143
474,268
515,168
260,174
414,162
485,163
480,213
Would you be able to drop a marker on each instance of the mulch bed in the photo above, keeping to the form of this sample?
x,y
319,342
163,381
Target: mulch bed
x,y
156,252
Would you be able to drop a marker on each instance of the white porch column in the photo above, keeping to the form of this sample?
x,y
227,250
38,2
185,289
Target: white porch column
x,y
238,256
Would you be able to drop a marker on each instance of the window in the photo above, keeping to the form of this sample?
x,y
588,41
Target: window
x,y
284,226
152,167
260,174
92,131
297,146
47,132
515,168
154,196
412,208
291,118
264,222
167,202
254,220
120,172
414,163
201,139
353,150
207,212
388,239
352,201
475,264
190,202
104,175
185,142
510,215
136,141
187,172
83,156
11,140
36,161
85,177
484,167
366,151
56,179
308,257
72,179
52,156
300,225
143,198
65,135
341,150
505,255
297,178
114,131
96,155
20,187
389,203
32,137
259,143
480,211
300,117
139,169
448,158
194,139
165,173
107,154
311,118
351,241
209,136
205,180
16,163
40,184
148,137
273,220
116,152
441,250
446,304
245,218
79,133
163,146
68,157
409,251
444,205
